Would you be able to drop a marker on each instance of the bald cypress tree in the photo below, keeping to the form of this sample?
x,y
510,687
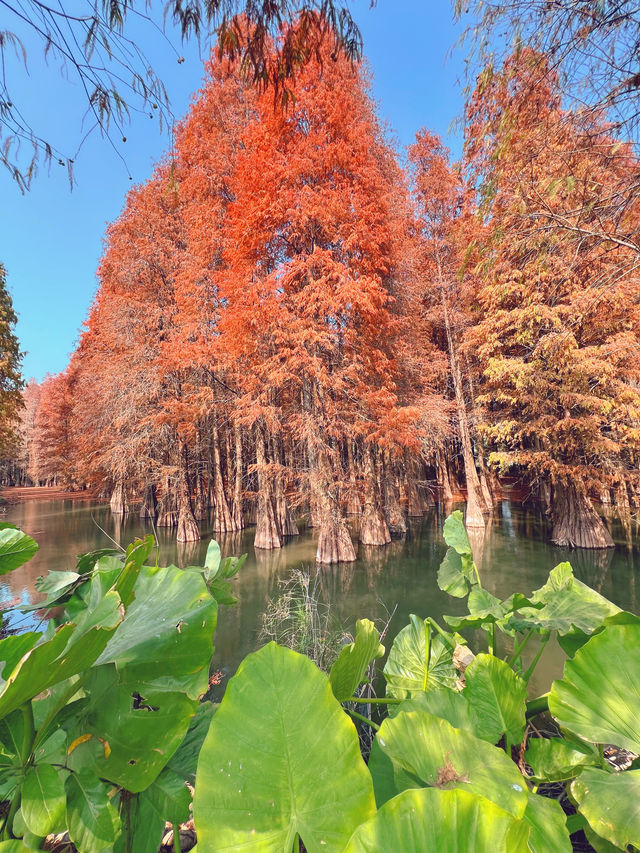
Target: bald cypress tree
x,y
11,382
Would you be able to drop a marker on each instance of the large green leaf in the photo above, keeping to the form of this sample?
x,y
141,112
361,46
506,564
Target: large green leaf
x,y
92,822
456,574
167,634
564,604
433,821
169,797
599,694
281,758
611,804
418,662
484,609
70,650
497,698
435,754
349,670
557,760
15,549
455,534
548,826
43,799
185,759
142,727
448,704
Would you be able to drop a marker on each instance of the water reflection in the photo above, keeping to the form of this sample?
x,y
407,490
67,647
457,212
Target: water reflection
x,y
512,554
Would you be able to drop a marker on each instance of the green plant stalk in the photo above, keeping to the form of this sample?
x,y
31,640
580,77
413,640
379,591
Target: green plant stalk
x,y
527,675
125,817
176,838
25,759
537,706
446,637
363,719
517,651
493,640
427,653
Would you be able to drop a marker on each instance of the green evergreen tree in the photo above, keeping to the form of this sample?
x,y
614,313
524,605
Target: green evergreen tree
x,y
11,382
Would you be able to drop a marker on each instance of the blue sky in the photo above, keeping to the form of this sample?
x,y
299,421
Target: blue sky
x,y
51,238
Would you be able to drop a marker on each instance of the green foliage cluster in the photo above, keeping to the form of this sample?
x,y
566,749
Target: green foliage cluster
x,y
101,722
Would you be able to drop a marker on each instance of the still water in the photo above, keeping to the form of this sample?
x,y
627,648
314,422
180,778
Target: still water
x,y
513,555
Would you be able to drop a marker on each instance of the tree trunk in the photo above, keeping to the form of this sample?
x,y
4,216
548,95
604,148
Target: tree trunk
x,y
222,519
393,512
167,509
188,530
284,519
622,496
149,506
575,522
354,506
119,502
334,539
373,526
237,515
442,473
476,505
267,532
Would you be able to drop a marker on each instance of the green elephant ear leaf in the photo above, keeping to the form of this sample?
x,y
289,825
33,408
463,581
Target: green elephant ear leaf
x,y
455,534
43,799
497,699
450,705
557,760
280,759
350,668
566,605
599,694
548,826
169,645
418,662
16,548
430,751
428,820
611,804
91,819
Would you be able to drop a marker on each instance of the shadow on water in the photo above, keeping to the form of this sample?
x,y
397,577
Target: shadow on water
x,y
513,554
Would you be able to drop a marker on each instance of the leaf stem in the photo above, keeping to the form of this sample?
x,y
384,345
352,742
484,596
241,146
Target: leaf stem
x,y
363,719
446,637
176,838
517,651
527,675
537,706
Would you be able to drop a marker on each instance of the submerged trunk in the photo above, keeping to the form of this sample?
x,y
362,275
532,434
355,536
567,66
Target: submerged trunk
x,y
188,530
444,482
575,522
222,519
393,512
167,509
237,515
476,502
149,505
622,496
267,532
285,521
373,527
334,539
119,503
354,506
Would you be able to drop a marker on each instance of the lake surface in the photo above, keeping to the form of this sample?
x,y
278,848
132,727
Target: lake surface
x,y
513,555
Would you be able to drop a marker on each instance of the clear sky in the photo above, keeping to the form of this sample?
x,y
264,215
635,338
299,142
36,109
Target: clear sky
x,y
51,238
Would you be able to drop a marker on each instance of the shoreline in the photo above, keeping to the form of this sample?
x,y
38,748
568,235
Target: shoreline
x,y
18,494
